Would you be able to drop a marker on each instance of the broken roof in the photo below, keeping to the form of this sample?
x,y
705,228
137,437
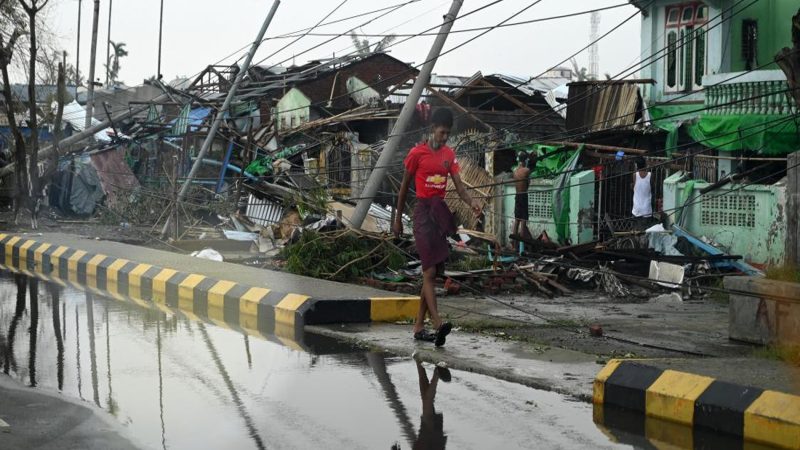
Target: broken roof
x,y
379,70
532,86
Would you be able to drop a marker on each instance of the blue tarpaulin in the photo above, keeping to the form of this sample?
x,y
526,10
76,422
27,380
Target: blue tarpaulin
x,y
195,118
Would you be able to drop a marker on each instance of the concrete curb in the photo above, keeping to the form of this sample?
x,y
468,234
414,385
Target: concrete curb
x,y
266,310
753,414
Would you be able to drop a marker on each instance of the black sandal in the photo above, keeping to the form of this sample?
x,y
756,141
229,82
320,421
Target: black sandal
x,y
444,374
442,332
425,335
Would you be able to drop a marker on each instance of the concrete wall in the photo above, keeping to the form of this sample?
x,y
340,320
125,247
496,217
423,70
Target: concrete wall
x,y
540,204
764,311
748,221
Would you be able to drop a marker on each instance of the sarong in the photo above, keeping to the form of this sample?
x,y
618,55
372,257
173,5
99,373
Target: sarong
x,y
433,222
521,206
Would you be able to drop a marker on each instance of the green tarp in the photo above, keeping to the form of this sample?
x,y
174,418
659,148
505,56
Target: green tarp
x,y
561,196
768,134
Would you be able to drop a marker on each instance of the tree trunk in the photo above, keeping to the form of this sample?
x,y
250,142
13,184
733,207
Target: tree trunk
x,y
21,181
33,121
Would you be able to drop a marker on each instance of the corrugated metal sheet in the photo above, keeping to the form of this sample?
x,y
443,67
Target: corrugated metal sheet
x,y
603,105
263,212
115,175
531,87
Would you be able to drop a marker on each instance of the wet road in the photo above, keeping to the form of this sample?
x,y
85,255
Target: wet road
x,y
173,382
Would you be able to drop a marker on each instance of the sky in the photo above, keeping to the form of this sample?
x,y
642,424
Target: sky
x,y
202,32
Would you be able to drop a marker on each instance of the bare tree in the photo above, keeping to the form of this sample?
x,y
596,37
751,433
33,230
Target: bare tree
x,y
32,9
48,61
10,16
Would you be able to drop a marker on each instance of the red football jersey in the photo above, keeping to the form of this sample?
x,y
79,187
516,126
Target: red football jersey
x,y
430,169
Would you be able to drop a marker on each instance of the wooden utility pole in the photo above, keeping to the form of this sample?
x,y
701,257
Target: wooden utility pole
x,y
393,143
92,63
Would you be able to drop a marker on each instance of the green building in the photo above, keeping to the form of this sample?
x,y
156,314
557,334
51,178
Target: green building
x,y
719,95
712,62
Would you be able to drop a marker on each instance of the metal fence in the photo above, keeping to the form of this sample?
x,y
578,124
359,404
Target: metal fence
x,y
614,190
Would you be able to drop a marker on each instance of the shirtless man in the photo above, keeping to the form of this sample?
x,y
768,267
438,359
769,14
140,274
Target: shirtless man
x,y
521,182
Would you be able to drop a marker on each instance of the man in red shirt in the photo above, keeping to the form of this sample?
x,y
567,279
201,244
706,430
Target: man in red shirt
x,y
428,165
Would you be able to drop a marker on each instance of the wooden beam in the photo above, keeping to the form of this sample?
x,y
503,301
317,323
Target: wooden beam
x,y
455,105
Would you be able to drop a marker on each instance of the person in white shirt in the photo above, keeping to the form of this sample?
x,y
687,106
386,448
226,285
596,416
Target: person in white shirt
x,y
642,191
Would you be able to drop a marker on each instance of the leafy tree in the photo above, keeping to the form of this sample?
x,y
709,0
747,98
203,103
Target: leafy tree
x,y
113,65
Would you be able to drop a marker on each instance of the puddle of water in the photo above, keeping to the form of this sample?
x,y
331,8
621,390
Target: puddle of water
x,y
173,382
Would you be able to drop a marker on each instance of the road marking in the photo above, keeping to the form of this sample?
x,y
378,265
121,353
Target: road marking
x,y
38,255
598,396
91,269
774,418
672,396
72,265
135,280
391,309
160,285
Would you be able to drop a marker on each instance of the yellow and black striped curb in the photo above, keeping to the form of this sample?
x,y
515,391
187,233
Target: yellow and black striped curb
x,y
287,337
751,413
269,311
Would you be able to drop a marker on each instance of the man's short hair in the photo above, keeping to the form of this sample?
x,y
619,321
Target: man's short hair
x,y
442,117
640,163
522,157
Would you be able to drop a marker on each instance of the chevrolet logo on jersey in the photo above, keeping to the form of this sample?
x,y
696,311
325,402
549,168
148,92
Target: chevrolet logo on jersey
x,y
436,180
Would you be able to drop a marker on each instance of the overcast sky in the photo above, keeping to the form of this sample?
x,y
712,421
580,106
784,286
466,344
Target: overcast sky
x,y
202,32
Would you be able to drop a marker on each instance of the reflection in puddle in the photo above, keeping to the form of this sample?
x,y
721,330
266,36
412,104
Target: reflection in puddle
x,y
639,431
178,382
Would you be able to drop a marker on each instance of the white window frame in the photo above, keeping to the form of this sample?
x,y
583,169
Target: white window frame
x,y
683,32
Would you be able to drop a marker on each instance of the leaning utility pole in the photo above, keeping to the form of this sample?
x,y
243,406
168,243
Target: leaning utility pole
x,y
379,171
92,61
220,113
